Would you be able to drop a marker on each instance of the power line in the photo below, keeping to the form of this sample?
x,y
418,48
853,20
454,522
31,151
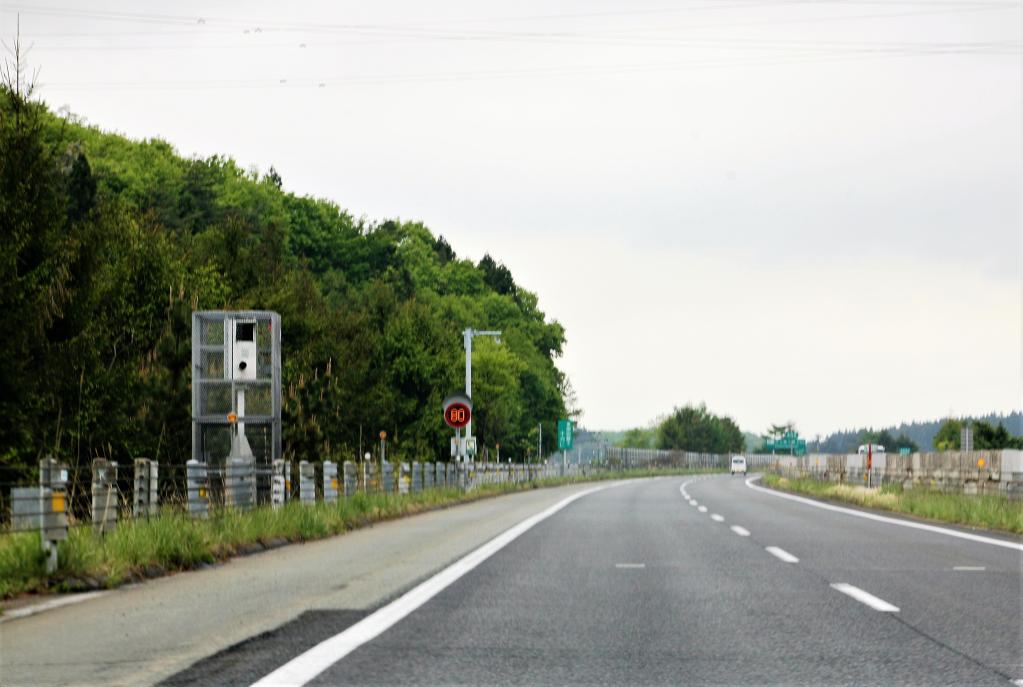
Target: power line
x,y
455,77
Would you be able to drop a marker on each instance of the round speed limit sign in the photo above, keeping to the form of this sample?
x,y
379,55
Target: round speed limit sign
x,y
457,411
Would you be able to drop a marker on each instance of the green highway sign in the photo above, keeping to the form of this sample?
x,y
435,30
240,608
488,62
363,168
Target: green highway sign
x,y
789,443
565,435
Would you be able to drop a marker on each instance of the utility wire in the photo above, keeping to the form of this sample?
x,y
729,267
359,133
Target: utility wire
x,y
456,77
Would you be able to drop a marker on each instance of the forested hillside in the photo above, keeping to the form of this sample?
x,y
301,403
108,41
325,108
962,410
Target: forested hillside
x,y
109,245
921,434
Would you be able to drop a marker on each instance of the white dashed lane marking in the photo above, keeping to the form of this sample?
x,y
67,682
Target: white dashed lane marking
x,y
741,531
717,518
865,597
782,554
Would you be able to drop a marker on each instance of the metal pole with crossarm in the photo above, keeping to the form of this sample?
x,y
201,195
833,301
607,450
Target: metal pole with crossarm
x,y
467,336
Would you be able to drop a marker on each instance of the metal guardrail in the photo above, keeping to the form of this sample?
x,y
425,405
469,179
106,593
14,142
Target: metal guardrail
x,y
105,493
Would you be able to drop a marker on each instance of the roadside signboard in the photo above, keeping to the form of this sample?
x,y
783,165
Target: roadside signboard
x,y
789,442
457,411
565,434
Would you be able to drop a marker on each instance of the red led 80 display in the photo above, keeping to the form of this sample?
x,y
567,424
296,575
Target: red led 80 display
x,y
457,415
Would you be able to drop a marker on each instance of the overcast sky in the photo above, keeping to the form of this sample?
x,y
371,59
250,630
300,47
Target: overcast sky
x,y
789,210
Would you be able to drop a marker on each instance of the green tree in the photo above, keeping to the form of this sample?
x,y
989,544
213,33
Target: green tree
x,y
991,437
948,435
694,428
639,437
110,244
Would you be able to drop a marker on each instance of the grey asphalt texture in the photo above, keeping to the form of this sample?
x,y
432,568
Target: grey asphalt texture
x,y
709,607
146,633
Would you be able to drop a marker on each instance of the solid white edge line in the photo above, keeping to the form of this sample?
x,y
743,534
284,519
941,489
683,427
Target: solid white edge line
x,y
782,554
969,568
27,611
865,597
305,667
741,531
890,521
717,518
630,565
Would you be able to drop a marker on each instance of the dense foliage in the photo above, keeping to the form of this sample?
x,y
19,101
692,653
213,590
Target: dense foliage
x,y
689,428
110,244
694,428
986,436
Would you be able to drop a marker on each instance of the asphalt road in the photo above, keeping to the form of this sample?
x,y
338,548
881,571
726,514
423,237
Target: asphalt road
x,y
635,585
628,585
145,633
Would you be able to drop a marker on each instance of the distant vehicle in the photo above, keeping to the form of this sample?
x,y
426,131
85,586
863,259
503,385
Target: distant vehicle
x,y
738,465
878,448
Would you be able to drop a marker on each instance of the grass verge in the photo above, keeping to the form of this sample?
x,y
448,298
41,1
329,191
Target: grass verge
x,y
136,549
993,512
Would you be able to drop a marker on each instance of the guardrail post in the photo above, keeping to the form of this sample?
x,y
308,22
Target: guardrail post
x,y
417,477
196,486
53,490
351,478
369,477
306,482
278,484
386,476
145,499
404,476
330,482
104,495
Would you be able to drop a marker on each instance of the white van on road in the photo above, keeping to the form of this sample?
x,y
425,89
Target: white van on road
x,y
738,466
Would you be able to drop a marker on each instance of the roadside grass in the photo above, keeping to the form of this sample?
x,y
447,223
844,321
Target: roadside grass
x,y
21,563
990,511
172,541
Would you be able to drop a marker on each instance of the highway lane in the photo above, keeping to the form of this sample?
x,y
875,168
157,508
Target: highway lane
x,y
141,634
966,595
634,585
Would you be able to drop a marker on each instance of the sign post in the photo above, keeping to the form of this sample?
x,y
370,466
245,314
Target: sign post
x,y
467,336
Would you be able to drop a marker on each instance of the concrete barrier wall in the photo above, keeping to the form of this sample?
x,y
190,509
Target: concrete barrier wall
x,y
998,471
973,472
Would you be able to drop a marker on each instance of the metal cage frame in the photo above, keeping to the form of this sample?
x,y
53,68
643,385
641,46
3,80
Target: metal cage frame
x,y
210,379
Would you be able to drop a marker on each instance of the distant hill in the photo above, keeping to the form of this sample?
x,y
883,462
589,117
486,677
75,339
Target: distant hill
x,y
922,433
